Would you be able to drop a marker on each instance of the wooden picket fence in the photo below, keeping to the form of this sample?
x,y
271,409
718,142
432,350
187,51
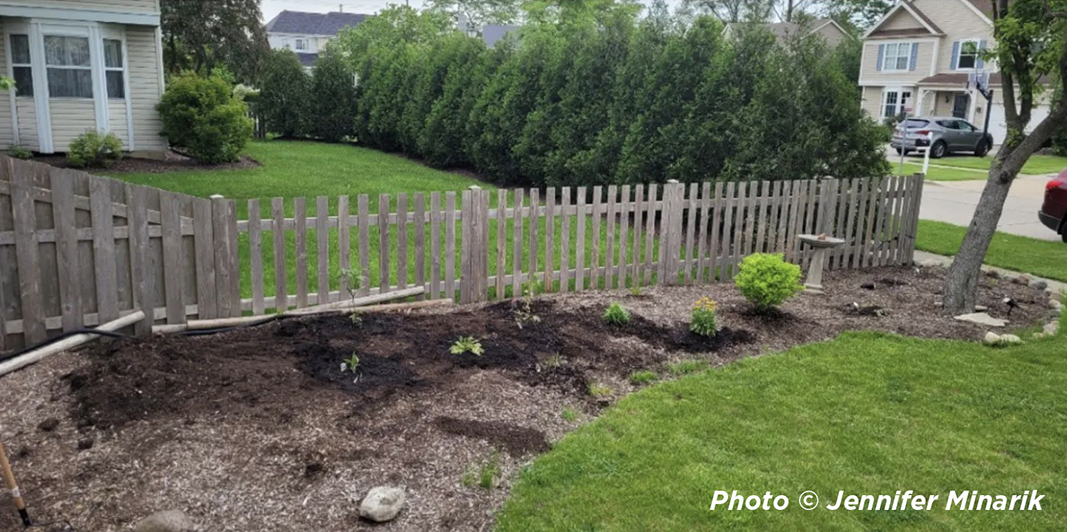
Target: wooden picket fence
x,y
77,250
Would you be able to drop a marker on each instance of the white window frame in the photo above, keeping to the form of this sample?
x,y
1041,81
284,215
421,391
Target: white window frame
x,y
121,68
977,52
300,44
897,56
899,93
77,32
12,65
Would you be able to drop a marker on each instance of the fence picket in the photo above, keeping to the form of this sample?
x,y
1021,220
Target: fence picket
x,y
435,245
579,252
501,241
623,207
107,302
170,218
565,241
420,241
690,233
450,245
639,212
363,208
550,235
384,275
609,220
255,249
300,218
535,205
281,293
140,272
322,245
402,241
516,244
344,244
67,250
27,251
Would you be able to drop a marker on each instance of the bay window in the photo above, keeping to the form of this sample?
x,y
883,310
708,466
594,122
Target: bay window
x,y
21,66
70,73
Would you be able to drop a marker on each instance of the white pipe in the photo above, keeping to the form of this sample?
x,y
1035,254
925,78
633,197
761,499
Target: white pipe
x,y
360,301
67,343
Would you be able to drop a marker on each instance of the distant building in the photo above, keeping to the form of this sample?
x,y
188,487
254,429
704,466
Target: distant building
x,y
307,33
490,33
830,31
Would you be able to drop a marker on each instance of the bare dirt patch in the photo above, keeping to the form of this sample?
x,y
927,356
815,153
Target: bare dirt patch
x,y
260,429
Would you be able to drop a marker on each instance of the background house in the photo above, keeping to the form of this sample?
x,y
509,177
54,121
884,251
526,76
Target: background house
x,y
830,31
919,56
307,33
81,65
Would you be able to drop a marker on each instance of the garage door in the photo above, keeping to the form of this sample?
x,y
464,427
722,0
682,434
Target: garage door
x,y
998,125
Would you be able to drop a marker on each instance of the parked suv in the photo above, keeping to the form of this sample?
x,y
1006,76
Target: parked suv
x,y
1054,211
943,135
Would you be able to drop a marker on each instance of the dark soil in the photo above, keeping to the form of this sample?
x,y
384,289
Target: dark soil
x,y
261,429
171,162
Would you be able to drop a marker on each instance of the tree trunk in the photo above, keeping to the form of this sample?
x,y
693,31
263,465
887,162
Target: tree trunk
x,y
961,287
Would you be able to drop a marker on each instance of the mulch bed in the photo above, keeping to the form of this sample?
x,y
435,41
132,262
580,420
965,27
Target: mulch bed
x,y
172,161
259,429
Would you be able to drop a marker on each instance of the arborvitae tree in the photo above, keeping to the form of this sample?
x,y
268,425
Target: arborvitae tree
x,y
467,69
283,100
330,111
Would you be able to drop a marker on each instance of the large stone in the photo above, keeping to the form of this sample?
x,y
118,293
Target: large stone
x,y
981,318
1051,329
1010,339
1023,279
1039,284
991,338
382,504
930,263
166,521
1055,305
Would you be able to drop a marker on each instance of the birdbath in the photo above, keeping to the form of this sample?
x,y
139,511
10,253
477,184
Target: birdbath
x,y
821,244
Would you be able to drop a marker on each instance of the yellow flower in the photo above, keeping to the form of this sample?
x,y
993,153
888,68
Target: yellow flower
x,y
705,303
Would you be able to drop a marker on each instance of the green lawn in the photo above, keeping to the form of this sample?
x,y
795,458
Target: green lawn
x,y
942,174
1037,165
867,413
1044,258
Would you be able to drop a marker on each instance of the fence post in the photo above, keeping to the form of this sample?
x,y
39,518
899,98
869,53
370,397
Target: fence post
x,y
913,224
474,283
673,210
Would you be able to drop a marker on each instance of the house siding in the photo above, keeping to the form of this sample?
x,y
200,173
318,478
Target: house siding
x,y
145,88
7,126
872,100
870,73
958,22
902,20
70,118
116,121
119,6
830,34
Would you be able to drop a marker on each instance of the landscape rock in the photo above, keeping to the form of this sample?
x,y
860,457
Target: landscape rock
x,y
85,444
1023,279
48,425
1010,339
166,521
1055,305
930,263
981,318
981,308
991,338
1038,284
382,504
1052,329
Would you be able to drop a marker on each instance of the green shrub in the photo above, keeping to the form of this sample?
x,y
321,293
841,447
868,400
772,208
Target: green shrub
x,y
767,280
19,152
617,315
93,149
330,112
202,116
704,321
285,94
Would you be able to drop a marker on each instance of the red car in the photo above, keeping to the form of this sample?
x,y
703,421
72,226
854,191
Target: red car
x,y
1054,211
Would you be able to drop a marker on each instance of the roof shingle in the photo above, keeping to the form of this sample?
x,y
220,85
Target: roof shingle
x,y
302,23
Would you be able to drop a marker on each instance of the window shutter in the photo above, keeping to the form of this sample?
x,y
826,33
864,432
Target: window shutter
x,y
980,64
914,55
955,55
881,54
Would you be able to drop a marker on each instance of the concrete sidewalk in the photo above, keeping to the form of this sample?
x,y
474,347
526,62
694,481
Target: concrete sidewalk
x,y
954,202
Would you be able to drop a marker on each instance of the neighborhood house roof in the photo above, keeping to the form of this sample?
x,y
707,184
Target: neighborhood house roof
x,y
301,23
784,30
983,7
492,33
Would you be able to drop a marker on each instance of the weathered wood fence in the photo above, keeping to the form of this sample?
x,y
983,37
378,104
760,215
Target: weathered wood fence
x,y
79,250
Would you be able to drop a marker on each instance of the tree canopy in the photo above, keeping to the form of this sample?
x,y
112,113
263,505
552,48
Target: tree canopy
x,y
201,36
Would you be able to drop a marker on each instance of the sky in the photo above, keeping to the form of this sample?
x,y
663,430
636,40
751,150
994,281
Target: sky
x,y
271,8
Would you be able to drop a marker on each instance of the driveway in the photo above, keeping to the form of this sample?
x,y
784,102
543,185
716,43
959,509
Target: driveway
x,y
955,201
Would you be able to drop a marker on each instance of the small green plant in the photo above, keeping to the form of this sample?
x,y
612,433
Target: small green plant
x,y
554,361
467,344
643,377
524,308
703,321
484,476
767,280
351,363
599,390
93,149
19,152
685,367
569,415
6,83
617,315
353,281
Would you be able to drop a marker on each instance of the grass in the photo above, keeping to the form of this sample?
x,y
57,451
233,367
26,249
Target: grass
x,y
569,414
643,377
1044,258
942,174
1037,165
867,413
292,169
599,390
685,367
485,475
